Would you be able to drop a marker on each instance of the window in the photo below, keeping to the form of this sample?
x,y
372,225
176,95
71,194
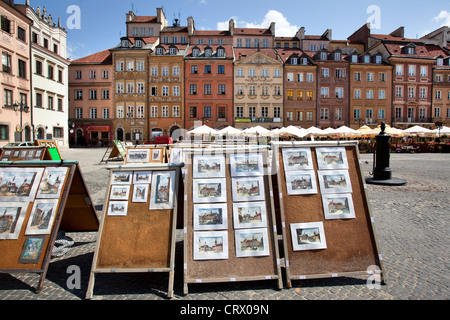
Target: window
x,y
193,89
165,71
290,94
294,60
382,77
381,114
195,52
130,66
252,73
277,73
423,71
265,112
130,87
290,77
165,91
222,89
309,77
38,100
176,91
309,116
239,112
58,132
277,90
264,90
193,112
7,98
412,71
248,42
140,66
399,70
39,70
265,73
438,78
411,92
221,113
92,74
105,113
338,114
340,73
78,94
79,113
422,113
324,113
398,92
324,93
77,72
299,77
6,62
208,52
312,47
289,116
252,90
119,66
194,69
50,103
276,112
369,115
309,95
21,34
120,112
50,72
239,90
154,91
369,94
207,69
140,87
438,95
130,111
252,112
120,88
93,113
220,52
60,104
176,71
357,94
154,111
398,112
325,72
356,113
423,93
165,111
437,112
370,76
5,24
154,71
22,69
265,43
176,111
46,43
207,112
92,94
221,69
358,76
207,89
381,94
339,93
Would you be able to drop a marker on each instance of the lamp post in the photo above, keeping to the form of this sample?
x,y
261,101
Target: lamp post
x,y
22,108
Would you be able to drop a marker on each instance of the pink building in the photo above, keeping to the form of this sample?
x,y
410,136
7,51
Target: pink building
x,y
15,111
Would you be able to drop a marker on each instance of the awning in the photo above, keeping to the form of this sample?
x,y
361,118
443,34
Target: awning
x,y
98,129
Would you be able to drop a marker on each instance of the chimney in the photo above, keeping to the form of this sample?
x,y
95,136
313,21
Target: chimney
x,y
130,16
272,28
300,33
191,26
231,27
400,32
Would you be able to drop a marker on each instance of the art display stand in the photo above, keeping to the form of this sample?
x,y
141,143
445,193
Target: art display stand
x,y
33,153
116,152
28,228
330,232
145,154
239,257
52,148
138,237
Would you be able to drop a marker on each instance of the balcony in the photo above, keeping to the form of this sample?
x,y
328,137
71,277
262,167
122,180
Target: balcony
x,y
412,120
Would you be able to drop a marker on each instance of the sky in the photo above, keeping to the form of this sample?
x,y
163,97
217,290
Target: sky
x,y
96,25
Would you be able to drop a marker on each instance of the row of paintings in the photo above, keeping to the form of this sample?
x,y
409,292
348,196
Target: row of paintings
x,y
160,185
22,154
241,165
144,155
330,181
295,159
210,245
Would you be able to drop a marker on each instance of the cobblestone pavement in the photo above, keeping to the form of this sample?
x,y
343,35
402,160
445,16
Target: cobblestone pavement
x,y
411,221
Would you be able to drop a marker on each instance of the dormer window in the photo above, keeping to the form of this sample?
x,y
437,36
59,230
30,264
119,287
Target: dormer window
x,y
138,43
440,62
173,51
337,56
125,43
208,52
366,58
323,56
159,51
220,52
354,58
294,60
378,59
411,50
304,61
195,52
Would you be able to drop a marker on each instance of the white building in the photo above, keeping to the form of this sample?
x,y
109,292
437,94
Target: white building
x,y
49,71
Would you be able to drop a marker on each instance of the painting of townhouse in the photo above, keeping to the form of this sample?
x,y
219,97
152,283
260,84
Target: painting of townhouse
x,y
156,155
117,208
138,155
332,158
142,177
246,164
209,245
338,206
210,216
209,190
209,166
248,189
52,183
19,184
140,193
297,159
301,182
12,215
162,190
308,236
249,215
42,216
32,249
119,192
252,242
336,181
121,177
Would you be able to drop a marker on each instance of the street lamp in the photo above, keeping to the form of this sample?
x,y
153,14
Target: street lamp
x,y
22,108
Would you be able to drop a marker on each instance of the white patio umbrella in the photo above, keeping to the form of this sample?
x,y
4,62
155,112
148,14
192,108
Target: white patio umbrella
x,y
230,131
418,130
329,132
347,132
203,130
444,131
258,130
315,131
295,131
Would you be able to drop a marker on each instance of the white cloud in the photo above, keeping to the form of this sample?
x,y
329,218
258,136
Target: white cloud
x,y
444,16
73,50
283,28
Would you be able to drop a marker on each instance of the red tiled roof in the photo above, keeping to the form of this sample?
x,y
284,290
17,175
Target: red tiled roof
x,y
102,57
211,33
392,38
246,52
228,49
144,19
429,51
252,31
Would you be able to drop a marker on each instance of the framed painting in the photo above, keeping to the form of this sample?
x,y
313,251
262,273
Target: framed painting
x,y
52,182
248,189
209,190
297,159
177,155
331,158
208,166
138,155
156,155
338,206
308,236
32,249
212,216
246,164
117,208
301,182
121,177
119,192
334,181
140,193
162,190
142,177
12,215
252,242
42,216
210,245
19,184
249,215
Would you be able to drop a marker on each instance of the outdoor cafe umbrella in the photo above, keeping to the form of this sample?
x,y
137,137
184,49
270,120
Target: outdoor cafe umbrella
x,y
329,132
230,131
293,131
444,131
393,132
345,131
203,130
258,130
418,130
364,130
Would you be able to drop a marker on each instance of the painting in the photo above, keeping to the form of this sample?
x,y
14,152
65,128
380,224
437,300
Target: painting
x,y
156,155
252,242
246,164
19,184
176,155
308,236
210,216
121,177
12,215
209,190
162,190
208,166
142,177
301,182
248,189
140,193
117,208
52,183
338,206
295,159
138,155
42,216
32,249
119,192
332,158
334,181
210,245
249,215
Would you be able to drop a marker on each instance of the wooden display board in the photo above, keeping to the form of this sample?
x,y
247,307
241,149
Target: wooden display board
x,y
116,152
145,154
25,154
214,222
52,148
327,226
37,199
138,228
